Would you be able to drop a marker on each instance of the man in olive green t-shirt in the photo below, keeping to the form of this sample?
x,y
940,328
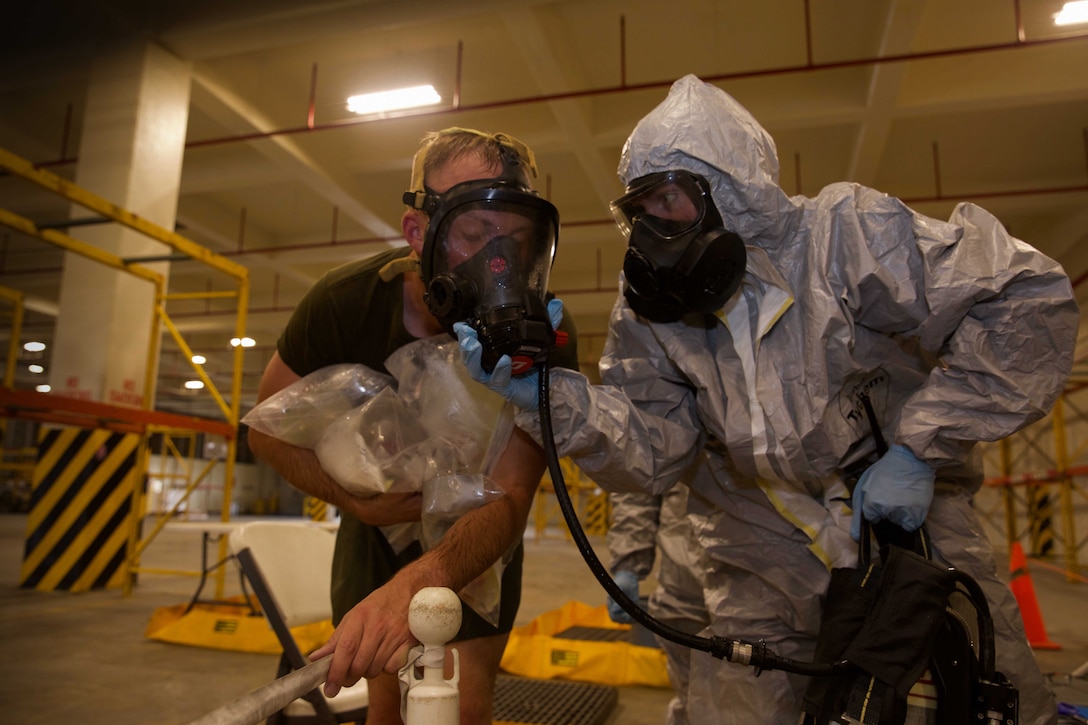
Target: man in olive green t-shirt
x,y
362,312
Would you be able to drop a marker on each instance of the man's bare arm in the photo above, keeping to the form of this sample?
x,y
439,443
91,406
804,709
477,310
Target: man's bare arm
x,y
374,635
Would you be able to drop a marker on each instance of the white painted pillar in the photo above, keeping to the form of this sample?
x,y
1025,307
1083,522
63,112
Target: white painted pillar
x,y
130,153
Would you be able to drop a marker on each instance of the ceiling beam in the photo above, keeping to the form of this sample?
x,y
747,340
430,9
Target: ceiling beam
x,y
884,84
542,55
238,116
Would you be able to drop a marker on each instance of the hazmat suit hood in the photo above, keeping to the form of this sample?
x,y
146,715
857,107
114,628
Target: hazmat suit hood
x,y
702,129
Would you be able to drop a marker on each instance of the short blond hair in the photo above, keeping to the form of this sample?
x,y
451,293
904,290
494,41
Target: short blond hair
x,y
438,148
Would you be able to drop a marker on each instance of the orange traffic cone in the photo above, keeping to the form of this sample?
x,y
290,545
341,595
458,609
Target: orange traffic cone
x,y
1024,590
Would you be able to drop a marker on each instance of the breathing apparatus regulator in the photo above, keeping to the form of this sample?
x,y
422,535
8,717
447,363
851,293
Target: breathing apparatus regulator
x,y
487,256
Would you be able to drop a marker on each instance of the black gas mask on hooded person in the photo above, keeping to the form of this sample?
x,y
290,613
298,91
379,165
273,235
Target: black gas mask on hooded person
x,y
680,258
487,255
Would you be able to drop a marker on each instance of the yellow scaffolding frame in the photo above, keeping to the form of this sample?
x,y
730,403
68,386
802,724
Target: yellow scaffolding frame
x,y
590,503
183,461
1024,489
230,408
18,303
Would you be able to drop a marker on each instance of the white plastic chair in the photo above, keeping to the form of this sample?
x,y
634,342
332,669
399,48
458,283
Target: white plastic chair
x,y
289,564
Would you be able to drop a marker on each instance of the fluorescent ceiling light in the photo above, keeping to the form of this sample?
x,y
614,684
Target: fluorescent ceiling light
x,y
43,388
199,359
34,346
1072,13
394,100
193,385
244,342
35,368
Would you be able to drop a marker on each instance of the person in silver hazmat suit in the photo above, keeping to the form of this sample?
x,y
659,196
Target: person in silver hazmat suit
x,y
764,354
648,530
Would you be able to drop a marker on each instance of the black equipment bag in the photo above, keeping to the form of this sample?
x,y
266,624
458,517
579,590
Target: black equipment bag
x,y
882,619
891,622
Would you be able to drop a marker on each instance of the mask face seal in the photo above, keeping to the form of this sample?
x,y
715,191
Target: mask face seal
x,y
680,258
487,256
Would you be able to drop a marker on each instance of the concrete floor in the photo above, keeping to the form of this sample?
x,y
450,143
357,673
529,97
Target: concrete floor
x,y
84,658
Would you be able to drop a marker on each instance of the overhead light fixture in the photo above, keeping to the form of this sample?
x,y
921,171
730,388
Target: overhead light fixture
x,y
34,346
1072,13
199,359
44,388
396,100
193,384
35,369
244,342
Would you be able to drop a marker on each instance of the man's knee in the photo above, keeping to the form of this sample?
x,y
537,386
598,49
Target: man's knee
x,y
480,659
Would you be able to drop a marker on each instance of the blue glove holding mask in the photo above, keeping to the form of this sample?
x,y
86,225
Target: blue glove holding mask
x,y
628,583
898,487
522,391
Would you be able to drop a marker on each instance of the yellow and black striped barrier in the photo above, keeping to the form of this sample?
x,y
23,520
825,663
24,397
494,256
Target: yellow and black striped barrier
x,y
1040,518
80,505
316,509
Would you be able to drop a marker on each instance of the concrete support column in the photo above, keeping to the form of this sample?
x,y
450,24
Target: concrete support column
x,y
130,153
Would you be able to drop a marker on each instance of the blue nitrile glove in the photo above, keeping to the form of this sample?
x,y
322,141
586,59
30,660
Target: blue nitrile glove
x,y
522,391
628,583
898,487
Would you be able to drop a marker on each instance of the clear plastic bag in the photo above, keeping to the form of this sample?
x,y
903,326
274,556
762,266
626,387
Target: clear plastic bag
x,y
446,499
300,413
434,384
428,428
345,456
421,462
375,448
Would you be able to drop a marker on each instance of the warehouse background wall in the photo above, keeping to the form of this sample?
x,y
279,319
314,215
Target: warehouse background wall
x,y
934,101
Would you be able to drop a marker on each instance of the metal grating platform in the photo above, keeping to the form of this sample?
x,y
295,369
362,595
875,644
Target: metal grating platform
x,y
552,702
594,634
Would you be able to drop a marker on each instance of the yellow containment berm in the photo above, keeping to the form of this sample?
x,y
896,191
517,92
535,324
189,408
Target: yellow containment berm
x,y
534,651
235,627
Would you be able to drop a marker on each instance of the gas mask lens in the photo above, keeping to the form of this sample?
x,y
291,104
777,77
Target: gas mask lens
x,y
679,256
486,260
514,242
495,250
670,203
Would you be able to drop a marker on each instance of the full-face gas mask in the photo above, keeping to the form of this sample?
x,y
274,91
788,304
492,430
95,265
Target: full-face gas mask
x,y
487,256
680,258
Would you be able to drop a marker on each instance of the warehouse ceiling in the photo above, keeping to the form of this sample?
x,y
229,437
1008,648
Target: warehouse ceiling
x,y
933,101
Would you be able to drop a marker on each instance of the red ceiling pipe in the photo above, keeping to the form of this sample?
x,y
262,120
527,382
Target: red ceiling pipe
x,y
313,97
808,66
623,51
457,76
569,95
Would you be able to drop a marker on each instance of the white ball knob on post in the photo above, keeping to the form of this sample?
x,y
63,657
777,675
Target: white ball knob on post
x,y
434,617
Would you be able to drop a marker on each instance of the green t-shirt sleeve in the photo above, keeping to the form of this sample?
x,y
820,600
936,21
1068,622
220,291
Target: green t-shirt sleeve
x,y
310,340
349,316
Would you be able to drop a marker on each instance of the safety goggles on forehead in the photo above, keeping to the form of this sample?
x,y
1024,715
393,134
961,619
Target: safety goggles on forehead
x,y
671,203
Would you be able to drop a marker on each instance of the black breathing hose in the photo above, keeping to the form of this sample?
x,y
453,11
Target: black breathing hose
x,y
754,654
